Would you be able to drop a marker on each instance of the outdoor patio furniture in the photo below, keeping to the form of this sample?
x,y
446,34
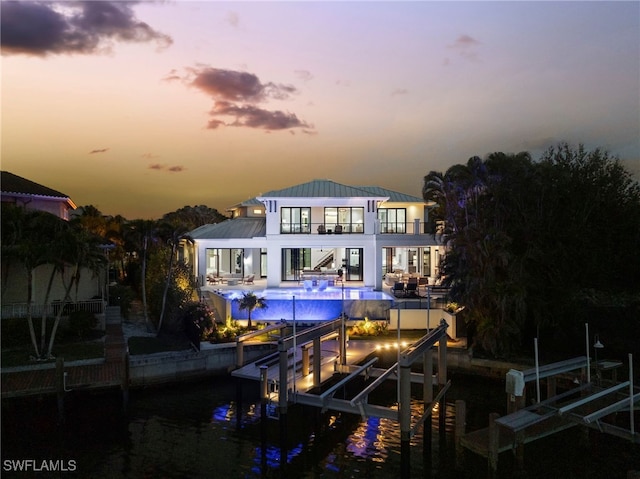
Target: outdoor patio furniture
x,y
248,279
398,289
411,289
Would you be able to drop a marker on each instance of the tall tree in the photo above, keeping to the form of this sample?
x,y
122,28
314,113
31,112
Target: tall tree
x,y
81,250
525,236
172,233
138,236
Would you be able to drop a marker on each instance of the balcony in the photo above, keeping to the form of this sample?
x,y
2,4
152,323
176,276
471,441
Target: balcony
x,y
409,228
321,228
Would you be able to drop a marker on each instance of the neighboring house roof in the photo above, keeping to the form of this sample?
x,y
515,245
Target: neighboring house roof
x,y
321,189
230,229
17,186
249,202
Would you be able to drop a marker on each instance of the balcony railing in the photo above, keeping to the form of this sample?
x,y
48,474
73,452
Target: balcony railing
x,y
409,228
19,310
321,228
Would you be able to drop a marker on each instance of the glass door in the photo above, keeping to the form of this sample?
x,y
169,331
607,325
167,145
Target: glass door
x,y
353,264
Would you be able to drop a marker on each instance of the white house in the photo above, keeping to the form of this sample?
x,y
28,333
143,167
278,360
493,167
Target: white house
x,y
320,228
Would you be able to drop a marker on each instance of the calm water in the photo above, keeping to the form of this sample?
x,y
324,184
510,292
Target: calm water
x,y
192,430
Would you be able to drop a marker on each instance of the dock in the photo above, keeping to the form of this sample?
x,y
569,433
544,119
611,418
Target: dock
x,y
300,371
303,359
589,405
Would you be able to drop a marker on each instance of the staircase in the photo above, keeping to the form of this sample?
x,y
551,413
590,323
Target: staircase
x,y
325,260
114,343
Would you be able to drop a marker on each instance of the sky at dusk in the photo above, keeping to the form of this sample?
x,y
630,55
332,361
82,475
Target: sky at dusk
x,y
141,108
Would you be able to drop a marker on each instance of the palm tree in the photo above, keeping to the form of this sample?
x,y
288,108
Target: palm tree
x,y
138,234
81,251
173,233
60,238
250,301
26,236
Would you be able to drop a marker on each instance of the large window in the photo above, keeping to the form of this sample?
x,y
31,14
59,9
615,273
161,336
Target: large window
x,y
392,220
295,220
222,261
294,261
344,219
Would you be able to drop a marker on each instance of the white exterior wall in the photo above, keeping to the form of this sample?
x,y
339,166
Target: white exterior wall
x,y
370,241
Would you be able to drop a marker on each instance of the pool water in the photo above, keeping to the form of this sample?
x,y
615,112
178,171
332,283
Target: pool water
x,y
314,305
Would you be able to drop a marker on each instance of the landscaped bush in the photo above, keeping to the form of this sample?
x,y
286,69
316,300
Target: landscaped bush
x,y
198,321
368,328
123,296
82,322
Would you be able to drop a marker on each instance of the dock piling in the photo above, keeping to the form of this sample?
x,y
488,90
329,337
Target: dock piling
x,y
460,427
60,388
492,458
264,399
125,382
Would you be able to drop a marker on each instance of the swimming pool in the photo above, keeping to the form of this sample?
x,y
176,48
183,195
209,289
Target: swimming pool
x,y
312,304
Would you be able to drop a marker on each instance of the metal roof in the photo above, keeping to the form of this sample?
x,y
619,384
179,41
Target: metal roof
x,y
322,189
394,196
232,229
249,202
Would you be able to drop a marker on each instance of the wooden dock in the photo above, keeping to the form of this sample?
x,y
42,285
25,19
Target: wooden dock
x,y
357,351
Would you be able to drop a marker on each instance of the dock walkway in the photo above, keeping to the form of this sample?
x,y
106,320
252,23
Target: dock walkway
x,y
356,352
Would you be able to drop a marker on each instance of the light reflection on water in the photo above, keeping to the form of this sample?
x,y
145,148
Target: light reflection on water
x,y
192,431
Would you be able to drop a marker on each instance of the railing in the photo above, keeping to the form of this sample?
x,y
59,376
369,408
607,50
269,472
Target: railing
x,y
410,228
321,228
19,310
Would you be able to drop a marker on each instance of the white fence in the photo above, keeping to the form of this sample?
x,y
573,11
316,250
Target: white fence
x,y
19,310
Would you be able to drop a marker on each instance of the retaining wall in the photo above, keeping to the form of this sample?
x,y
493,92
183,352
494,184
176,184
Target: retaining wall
x,y
212,359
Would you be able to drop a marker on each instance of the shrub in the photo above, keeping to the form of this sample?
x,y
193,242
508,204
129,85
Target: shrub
x,y
368,328
81,322
198,321
121,295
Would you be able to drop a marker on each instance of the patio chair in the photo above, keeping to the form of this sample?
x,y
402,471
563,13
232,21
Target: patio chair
x,y
411,289
398,289
338,229
248,279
